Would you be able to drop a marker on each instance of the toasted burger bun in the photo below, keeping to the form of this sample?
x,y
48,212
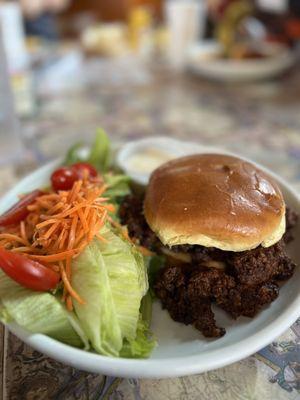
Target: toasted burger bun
x,y
214,200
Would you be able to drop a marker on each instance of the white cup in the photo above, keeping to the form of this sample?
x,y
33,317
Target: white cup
x,y
13,36
186,23
10,139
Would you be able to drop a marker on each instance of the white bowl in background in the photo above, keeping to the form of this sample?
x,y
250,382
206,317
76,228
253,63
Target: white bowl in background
x,y
140,157
203,60
181,349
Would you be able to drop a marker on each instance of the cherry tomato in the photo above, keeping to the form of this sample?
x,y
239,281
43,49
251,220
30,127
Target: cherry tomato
x,y
28,273
19,211
80,167
64,178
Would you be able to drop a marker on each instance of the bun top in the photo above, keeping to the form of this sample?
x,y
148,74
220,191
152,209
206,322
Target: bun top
x,y
214,200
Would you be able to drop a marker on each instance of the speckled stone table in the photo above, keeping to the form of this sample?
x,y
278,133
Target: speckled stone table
x,y
261,121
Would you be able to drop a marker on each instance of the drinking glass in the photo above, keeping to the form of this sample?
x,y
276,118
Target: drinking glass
x,y
186,22
10,139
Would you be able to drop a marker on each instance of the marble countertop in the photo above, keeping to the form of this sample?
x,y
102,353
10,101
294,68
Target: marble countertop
x,y
131,100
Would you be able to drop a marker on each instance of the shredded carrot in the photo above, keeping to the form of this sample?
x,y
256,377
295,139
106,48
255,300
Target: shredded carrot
x,y
13,238
57,207
64,234
46,223
68,267
51,230
75,191
68,286
83,219
54,257
100,237
32,207
69,303
79,238
144,251
32,219
23,232
22,249
72,233
109,207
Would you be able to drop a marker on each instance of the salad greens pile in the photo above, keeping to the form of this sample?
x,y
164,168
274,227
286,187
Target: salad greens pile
x,y
39,312
112,278
110,275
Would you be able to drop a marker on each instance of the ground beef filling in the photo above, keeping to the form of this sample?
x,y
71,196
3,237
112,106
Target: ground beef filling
x,y
249,280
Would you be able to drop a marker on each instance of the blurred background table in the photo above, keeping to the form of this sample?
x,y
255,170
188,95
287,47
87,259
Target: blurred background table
x,y
131,99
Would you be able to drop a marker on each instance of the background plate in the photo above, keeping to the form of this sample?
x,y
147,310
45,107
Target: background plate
x,y
203,61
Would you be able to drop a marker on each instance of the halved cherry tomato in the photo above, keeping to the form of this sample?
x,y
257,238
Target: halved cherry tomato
x,y
28,273
64,178
19,211
80,167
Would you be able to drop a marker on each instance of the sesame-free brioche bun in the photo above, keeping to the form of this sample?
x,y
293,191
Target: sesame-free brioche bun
x,y
214,200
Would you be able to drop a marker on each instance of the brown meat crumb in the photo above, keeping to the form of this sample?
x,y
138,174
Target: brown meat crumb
x,y
248,300
188,296
261,265
291,220
209,283
131,214
177,295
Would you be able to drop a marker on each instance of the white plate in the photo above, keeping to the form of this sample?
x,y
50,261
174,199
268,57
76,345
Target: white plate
x,y
181,350
203,60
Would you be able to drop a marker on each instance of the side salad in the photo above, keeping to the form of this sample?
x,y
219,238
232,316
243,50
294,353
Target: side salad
x,y
67,266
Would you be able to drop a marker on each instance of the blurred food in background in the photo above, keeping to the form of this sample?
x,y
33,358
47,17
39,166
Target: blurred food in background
x,y
135,34
58,36
108,39
233,30
243,45
238,23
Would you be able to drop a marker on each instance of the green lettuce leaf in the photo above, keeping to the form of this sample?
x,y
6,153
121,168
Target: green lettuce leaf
x,y
100,154
128,280
154,265
146,307
74,154
141,271
112,279
98,315
142,345
118,186
39,312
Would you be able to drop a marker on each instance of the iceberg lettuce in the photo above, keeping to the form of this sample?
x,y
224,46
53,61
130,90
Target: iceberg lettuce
x,y
111,277
118,186
97,316
39,312
142,345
